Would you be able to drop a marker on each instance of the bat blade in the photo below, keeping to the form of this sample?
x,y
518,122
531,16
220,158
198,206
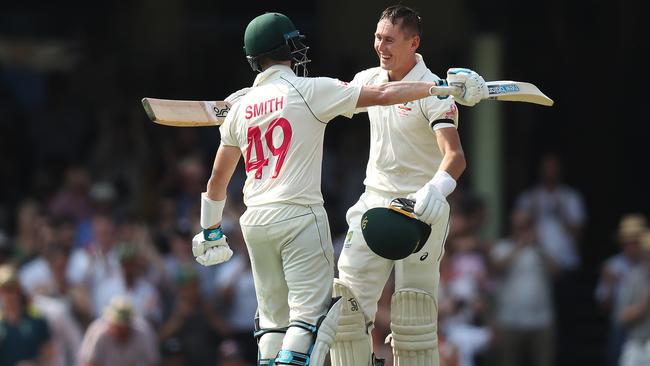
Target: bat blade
x,y
185,113
517,91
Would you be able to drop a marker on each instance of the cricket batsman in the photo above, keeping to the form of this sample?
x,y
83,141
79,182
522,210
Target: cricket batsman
x,y
278,127
415,152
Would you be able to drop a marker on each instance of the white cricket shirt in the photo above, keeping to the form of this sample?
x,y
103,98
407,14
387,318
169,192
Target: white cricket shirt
x,y
404,153
279,126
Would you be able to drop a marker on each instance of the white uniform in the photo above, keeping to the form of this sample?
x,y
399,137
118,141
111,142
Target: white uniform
x,y
404,155
279,126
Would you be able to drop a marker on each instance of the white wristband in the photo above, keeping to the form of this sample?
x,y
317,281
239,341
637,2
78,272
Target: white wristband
x,y
444,182
211,211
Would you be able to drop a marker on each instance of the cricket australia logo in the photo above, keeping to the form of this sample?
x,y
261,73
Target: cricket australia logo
x,y
503,89
220,112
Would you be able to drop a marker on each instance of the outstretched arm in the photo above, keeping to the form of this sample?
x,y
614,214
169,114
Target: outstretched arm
x,y
393,93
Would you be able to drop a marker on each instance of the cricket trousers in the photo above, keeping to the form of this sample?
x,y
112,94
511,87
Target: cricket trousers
x,y
366,273
292,260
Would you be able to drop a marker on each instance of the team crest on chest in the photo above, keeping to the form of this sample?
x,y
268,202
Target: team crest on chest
x,y
404,109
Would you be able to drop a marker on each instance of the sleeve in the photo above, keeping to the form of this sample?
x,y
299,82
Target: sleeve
x,y
441,113
360,79
332,97
227,129
90,350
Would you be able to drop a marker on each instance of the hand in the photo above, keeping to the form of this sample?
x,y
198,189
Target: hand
x,y
234,97
473,85
210,252
429,204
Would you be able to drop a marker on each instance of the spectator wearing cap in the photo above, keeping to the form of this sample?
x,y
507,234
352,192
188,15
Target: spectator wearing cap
x,y
634,309
24,334
614,269
119,337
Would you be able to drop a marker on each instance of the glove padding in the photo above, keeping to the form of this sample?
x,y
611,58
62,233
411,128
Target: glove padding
x,y
210,252
429,204
236,96
473,85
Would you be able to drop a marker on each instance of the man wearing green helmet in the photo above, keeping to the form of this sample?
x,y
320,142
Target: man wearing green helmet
x,y
278,127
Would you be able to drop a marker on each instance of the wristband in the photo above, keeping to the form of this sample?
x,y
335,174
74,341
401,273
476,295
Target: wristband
x,y
212,234
444,182
211,210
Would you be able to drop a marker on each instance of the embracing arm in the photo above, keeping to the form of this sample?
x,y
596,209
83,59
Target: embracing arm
x,y
393,93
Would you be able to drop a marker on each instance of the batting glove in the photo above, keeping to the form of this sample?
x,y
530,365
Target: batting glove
x,y
472,84
211,247
429,204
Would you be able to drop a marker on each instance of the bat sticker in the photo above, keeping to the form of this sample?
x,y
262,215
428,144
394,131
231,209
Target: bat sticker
x,y
502,89
221,112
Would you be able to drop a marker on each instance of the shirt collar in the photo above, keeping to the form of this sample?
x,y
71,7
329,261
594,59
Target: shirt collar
x,y
416,73
272,73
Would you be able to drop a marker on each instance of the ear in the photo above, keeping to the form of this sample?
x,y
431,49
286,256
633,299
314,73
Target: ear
x,y
415,42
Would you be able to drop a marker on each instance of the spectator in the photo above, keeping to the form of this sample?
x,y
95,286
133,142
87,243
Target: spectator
x,y
559,215
192,330
65,330
25,336
119,337
89,266
73,198
524,310
31,232
134,285
613,271
557,211
634,309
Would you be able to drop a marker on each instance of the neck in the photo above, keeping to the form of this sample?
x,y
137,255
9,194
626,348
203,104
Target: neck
x,y
273,63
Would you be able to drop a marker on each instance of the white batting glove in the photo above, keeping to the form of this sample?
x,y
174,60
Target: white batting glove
x,y
236,96
429,204
473,85
211,250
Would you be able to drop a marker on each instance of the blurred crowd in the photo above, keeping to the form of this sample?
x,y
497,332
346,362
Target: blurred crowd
x,y
86,279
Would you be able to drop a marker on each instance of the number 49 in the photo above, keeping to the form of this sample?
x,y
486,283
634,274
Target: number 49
x,y
255,139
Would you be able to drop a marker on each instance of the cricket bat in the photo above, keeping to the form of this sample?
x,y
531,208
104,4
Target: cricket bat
x,y
186,113
196,113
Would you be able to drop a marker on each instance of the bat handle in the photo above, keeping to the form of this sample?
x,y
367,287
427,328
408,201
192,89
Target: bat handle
x,y
442,91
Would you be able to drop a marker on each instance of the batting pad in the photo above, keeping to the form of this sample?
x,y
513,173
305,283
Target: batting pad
x,y
414,328
326,334
352,346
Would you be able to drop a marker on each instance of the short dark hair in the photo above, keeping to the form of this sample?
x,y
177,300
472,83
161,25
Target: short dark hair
x,y
408,19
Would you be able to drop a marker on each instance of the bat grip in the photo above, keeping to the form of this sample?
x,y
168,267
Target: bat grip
x,y
442,91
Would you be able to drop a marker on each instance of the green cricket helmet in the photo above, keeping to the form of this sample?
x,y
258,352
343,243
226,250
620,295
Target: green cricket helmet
x,y
394,232
273,35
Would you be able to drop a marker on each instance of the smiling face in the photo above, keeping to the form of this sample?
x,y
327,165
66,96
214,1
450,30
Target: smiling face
x,y
395,48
